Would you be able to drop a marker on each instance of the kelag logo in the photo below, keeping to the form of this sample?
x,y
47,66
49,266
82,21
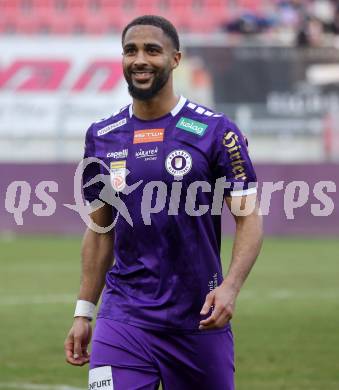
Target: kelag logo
x,y
192,126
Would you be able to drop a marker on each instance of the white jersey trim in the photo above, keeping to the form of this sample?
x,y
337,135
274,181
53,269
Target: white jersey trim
x,y
179,106
191,105
249,191
174,112
200,110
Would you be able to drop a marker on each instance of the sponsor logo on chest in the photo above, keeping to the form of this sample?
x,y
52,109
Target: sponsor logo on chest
x,y
111,127
147,154
118,155
149,135
192,126
118,175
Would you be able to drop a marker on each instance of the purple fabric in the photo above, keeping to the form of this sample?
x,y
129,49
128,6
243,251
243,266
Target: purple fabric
x,y
141,358
163,271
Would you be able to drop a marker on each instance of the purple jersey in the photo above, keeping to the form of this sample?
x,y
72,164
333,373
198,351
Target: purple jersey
x,y
167,263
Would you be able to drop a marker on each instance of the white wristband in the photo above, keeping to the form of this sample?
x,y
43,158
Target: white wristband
x,y
84,309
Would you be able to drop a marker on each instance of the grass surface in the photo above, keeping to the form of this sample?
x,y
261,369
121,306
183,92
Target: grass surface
x,y
286,325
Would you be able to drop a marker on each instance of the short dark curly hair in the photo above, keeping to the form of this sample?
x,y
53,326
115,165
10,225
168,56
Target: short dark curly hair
x,y
157,21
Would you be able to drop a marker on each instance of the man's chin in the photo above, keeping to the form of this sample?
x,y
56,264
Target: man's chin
x,y
145,93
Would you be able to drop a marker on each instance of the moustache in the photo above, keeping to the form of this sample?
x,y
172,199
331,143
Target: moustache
x,y
141,70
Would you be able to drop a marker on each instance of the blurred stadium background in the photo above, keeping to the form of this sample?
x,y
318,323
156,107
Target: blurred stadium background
x,y
273,67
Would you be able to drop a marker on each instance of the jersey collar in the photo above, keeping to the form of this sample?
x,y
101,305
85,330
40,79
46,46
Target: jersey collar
x,y
174,111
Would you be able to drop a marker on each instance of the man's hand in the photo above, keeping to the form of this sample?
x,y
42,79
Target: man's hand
x,y
77,341
222,301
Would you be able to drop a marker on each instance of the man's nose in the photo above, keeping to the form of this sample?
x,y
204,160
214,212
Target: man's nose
x,y
140,58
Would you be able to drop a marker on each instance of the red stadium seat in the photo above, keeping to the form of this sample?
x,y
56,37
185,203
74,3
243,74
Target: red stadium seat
x,y
57,24
190,15
94,21
51,18
115,14
27,25
105,16
112,3
4,4
250,5
146,7
180,13
218,12
7,17
76,3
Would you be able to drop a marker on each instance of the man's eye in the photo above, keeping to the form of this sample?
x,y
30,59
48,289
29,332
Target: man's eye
x,y
152,50
129,51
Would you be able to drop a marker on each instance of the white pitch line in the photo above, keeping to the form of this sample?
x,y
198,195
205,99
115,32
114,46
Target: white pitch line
x,y
33,386
288,294
282,294
270,295
37,299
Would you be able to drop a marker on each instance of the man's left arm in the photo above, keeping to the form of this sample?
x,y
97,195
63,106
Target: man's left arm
x,y
246,248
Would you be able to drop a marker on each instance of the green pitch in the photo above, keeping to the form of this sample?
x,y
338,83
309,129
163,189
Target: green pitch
x,y
286,325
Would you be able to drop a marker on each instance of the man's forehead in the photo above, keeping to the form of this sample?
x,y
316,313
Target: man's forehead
x,y
146,35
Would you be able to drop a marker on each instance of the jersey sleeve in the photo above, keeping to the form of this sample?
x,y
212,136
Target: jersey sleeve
x,y
91,170
232,161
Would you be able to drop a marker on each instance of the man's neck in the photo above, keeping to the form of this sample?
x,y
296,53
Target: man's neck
x,y
154,108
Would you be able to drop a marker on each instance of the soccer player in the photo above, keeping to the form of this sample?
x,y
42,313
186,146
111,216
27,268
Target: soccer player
x,y
166,306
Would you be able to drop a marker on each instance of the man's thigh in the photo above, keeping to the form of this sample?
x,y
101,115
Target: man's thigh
x,y
119,360
200,362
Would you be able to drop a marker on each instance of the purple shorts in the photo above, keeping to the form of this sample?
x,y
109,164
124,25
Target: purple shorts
x,y
126,357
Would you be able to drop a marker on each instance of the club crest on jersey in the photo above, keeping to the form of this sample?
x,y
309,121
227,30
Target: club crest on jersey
x,y
192,126
118,175
178,163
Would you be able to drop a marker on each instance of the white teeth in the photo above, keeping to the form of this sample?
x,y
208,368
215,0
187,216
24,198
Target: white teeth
x,y
143,74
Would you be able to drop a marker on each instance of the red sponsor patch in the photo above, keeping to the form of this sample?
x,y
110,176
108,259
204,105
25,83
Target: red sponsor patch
x,y
149,135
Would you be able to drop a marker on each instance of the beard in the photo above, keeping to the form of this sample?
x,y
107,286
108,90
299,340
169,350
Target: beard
x,y
160,79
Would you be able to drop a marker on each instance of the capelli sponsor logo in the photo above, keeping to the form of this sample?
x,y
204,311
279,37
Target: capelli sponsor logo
x,y
119,154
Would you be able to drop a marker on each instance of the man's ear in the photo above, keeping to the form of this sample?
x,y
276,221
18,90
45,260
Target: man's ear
x,y
176,59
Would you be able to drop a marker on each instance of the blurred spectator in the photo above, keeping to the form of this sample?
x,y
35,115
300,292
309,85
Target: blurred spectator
x,y
290,13
334,26
311,33
249,24
323,10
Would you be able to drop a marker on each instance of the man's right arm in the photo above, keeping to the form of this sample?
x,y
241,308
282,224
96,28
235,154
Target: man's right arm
x,y
97,258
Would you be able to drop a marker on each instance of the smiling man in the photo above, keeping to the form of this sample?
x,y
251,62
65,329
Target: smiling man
x,y
166,306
